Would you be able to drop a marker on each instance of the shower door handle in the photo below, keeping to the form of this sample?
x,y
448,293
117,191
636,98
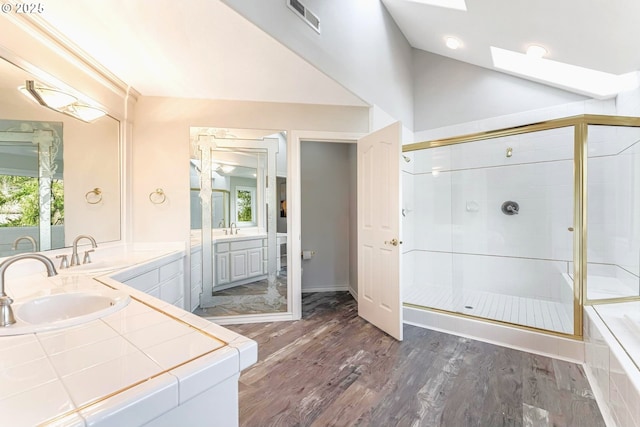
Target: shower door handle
x,y
393,242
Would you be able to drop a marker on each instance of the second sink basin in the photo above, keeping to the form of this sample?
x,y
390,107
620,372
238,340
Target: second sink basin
x,y
63,310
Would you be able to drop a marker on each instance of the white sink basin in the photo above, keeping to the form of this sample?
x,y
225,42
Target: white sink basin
x,y
63,310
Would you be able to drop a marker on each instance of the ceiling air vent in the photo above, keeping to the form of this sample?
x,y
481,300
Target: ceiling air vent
x,y
304,13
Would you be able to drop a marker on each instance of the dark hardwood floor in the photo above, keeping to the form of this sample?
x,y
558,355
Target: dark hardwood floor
x,y
334,369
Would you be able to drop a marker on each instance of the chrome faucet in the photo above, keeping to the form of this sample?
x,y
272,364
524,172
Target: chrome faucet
x,y
29,238
233,224
75,259
6,313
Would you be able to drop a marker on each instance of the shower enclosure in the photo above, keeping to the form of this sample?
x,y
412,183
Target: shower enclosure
x,y
524,225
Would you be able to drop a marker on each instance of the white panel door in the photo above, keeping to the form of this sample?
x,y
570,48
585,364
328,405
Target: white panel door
x,y
379,242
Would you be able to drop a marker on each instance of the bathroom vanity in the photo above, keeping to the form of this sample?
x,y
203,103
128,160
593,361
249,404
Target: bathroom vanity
x,y
148,363
239,259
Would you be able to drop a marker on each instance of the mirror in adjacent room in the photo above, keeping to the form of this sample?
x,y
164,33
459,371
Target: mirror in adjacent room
x,y
237,245
59,176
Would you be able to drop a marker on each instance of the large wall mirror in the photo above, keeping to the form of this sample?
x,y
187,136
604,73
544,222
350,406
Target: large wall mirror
x,y
238,249
59,176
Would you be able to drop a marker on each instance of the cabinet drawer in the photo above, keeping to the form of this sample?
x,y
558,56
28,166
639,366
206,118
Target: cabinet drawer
x,y
145,281
246,244
222,247
170,270
172,290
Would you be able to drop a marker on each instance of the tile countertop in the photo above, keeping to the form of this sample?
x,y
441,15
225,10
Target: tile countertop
x,y
138,362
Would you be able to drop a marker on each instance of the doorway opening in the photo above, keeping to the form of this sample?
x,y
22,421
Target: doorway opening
x,y
328,187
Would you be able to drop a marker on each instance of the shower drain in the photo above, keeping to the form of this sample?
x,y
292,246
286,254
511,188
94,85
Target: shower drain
x,y
469,307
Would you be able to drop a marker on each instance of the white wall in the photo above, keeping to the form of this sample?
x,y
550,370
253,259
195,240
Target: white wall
x,y
360,47
326,216
448,92
160,154
353,218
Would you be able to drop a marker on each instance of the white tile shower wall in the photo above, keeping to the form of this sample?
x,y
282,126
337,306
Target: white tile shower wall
x,y
432,205
628,103
432,268
610,281
544,192
550,145
408,212
408,270
611,140
433,159
613,212
527,278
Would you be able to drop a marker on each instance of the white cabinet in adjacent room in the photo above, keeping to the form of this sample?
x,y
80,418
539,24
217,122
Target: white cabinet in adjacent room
x,y
239,260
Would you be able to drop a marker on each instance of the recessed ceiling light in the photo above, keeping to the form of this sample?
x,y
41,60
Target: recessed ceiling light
x,y
452,43
536,51
449,4
593,83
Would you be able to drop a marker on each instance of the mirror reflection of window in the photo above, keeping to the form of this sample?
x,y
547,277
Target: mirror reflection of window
x,y
31,187
245,205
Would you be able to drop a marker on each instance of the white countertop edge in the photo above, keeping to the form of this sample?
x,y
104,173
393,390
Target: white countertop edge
x,y
205,372
151,399
187,380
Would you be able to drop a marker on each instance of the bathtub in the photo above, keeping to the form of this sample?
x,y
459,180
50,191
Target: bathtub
x,y
612,360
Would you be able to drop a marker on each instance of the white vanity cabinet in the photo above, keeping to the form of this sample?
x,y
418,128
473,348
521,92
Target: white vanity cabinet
x,y
240,260
162,278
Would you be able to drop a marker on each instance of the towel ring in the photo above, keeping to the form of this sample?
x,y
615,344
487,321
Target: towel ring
x,y
157,197
94,196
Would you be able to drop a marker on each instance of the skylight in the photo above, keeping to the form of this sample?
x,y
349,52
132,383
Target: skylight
x,y
596,84
449,4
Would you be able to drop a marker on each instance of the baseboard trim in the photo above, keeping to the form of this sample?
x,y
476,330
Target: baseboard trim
x,y
250,318
354,293
506,336
334,288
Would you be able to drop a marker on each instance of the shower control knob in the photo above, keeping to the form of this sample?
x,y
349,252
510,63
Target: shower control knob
x,y
510,208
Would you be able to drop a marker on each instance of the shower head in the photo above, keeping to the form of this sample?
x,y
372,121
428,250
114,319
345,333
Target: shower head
x,y
406,158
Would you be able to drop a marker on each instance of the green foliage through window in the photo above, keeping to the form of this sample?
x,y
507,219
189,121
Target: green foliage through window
x,y
20,202
243,206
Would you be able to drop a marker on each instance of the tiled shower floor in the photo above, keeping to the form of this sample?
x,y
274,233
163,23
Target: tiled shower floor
x,y
532,312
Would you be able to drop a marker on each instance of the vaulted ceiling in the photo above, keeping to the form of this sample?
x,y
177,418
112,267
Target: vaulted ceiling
x,y
152,45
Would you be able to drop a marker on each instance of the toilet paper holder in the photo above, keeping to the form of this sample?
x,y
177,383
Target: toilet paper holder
x,y
307,254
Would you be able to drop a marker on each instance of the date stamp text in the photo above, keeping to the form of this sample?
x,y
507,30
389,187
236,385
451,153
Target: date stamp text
x,y
22,8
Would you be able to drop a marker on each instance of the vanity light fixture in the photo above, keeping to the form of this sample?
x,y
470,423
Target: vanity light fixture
x,y
452,43
47,97
61,102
